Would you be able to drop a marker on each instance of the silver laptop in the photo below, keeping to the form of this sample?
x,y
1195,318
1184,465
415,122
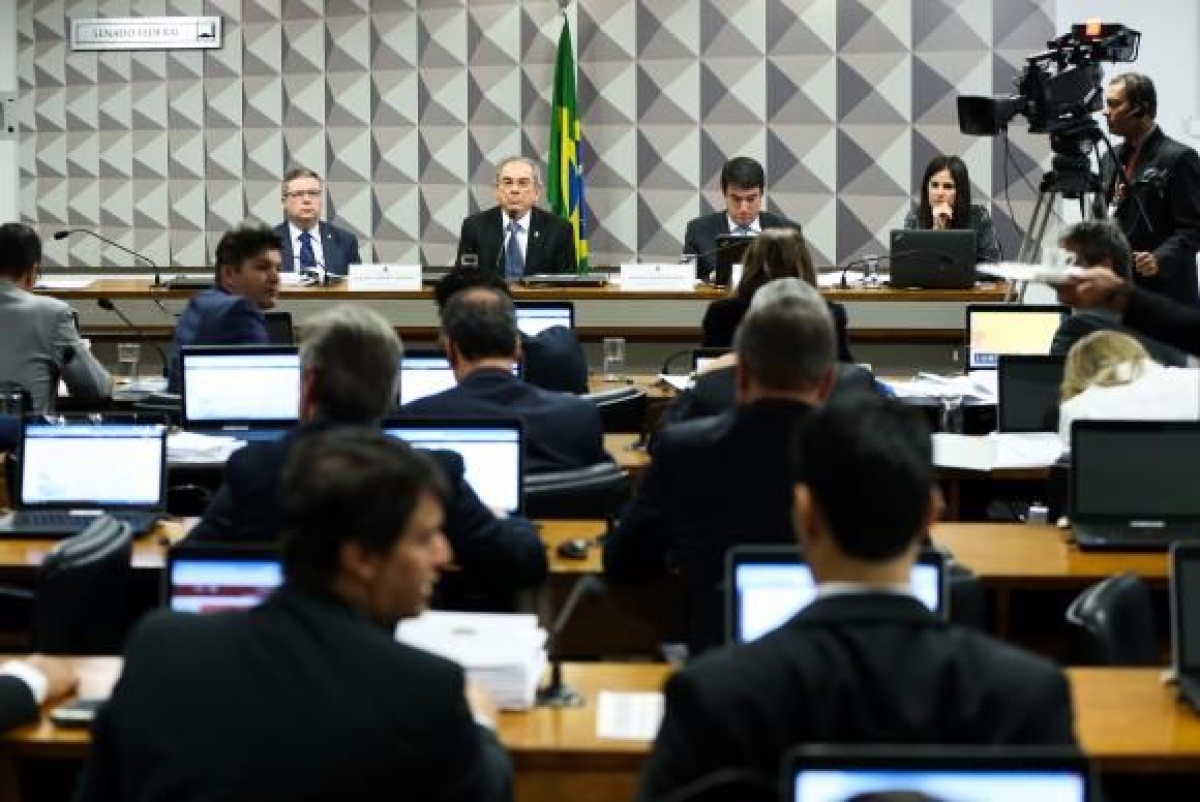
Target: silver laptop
x,y
215,577
426,373
534,317
247,391
995,329
72,470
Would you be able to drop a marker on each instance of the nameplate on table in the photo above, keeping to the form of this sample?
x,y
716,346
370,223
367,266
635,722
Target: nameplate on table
x,y
658,277
384,277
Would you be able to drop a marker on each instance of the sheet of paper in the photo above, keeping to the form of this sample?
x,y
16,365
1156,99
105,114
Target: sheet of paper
x,y
63,283
680,383
1027,449
628,716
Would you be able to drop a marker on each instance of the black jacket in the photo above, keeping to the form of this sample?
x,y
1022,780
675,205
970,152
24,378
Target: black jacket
x,y
722,317
550,247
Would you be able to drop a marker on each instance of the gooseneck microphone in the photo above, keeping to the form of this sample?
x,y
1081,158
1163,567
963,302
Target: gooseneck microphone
x,y
556,693
66,232
108,306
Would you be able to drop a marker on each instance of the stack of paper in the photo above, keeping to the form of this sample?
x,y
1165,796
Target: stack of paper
x,y
996,450
979,387
200,449
506,654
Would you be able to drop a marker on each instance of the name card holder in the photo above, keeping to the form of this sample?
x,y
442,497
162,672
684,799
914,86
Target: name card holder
x,y
406,278
658,277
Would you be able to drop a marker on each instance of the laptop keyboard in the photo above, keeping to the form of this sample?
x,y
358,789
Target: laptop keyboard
x,y
36,523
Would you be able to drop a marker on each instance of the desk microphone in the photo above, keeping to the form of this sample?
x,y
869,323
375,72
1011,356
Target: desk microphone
x,y
108,306
556,693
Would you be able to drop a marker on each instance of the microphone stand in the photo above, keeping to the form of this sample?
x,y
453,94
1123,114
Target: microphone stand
x,y
557,693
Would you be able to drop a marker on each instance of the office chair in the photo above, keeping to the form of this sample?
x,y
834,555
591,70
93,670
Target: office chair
x,y
597,491
1112,624
622,409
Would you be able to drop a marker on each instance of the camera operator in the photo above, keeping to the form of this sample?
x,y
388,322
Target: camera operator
x,y
1153,187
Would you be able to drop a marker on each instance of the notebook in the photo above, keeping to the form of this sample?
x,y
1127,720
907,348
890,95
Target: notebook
x,y
1028,391
995,329
214,577
1185,620
1134,483
768,584
493,451
246,391
838,773
932,260
534,317
73,469
730,251
425,373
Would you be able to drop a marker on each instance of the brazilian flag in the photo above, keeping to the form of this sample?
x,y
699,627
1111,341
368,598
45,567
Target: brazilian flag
x,y
565,181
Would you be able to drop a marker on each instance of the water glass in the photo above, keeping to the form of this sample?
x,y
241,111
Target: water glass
x,y
128,355
952,414
614,358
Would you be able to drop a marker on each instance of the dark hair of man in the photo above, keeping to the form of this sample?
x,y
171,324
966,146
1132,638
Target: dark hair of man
x,y
863,441
775,253
786,340
742,172
1096,241
299,172
463,278
482,323
962,191
347,484
1139,91
243,243
354,354
20,250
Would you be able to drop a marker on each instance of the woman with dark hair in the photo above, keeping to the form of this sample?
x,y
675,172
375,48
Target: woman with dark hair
x,y
775,253
946,203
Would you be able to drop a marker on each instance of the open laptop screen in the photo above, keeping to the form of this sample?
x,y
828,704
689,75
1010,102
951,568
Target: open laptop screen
x,y
995,329
247,385
1126,472
109,465
770,584
492,452
1029,388
425,373
534,317
210,579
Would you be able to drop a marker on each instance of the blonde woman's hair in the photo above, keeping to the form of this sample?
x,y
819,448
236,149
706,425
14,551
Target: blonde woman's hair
x,y
775,253
1102,359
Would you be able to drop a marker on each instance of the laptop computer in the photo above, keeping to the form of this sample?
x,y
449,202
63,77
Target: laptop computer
x,y
703,357
493,451
533,317
1133,484
926,259
838,773
251,392
995,329
565,280
1185,620
768,584
428,372
214,577
1028,392
730,251
71,470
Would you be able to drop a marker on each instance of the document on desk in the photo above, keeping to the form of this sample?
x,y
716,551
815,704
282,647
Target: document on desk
x,y
200,449
63,283
979,389
628,716
678,382
997,450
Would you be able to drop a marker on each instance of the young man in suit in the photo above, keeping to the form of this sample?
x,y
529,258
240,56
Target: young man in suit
x,y
514,238
349,361
866,662
39,343
480,337
246,282
742,185
719,481
309,695
307,243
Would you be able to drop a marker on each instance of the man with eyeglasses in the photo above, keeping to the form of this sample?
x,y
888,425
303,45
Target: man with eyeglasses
x,y
514,238
310,245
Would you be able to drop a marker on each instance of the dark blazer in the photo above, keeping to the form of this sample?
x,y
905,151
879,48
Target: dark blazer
x,y
554,360
865,669
550,246
1160,317
497,556
700,238
722,317
215,317
1085,321
340,249
987,247
300,698
1160,211
562,431
17,703
714,482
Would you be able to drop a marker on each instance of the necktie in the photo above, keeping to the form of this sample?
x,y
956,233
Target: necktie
x,y
744,231
514,260
307,257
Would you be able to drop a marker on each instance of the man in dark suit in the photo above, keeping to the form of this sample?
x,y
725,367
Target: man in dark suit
x,y
309,696
719,481
742,184
515,238
231,312
308,243
479,335
866,662
26,684
349,361
1148,312
1153,185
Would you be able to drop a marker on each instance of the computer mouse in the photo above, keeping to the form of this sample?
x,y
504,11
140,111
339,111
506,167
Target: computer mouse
x,y
576,549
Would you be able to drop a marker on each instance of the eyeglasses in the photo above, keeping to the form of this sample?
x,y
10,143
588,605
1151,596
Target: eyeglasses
x,y
523,183
303,193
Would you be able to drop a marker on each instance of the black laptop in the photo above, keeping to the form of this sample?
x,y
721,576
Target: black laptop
x,y
1029,387
1135,485
215,577
73,469
730,251
1185,620
251,392
932,260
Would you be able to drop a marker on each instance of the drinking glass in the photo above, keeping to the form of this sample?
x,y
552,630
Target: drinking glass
x,y
614,358
128,355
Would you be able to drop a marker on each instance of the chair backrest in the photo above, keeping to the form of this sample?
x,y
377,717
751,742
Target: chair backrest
x,y
80,603
622,409
597,491
169,405
1112,624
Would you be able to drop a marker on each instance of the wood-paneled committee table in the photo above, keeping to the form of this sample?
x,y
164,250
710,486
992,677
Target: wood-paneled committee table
x,y
1126,721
